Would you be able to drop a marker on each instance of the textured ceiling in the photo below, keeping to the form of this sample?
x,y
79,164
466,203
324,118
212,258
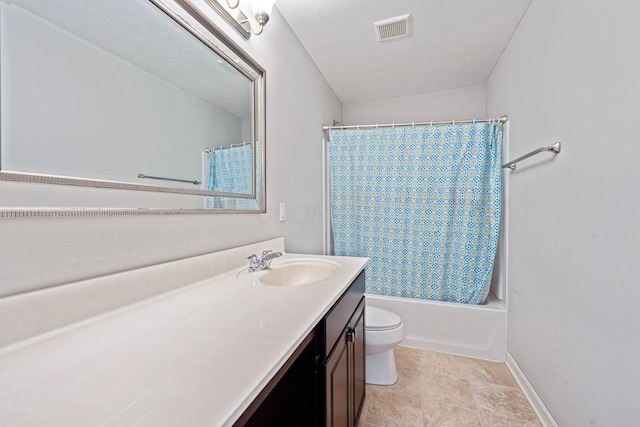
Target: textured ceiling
x,y
452,43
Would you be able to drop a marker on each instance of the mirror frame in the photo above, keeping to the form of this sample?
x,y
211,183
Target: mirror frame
x,y
210,37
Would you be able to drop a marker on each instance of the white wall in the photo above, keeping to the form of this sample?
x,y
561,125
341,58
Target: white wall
x,y
36,253
453,104
570,74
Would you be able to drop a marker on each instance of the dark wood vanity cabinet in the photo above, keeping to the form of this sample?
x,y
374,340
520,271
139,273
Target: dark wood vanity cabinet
x,y
344,365
293,397
323,382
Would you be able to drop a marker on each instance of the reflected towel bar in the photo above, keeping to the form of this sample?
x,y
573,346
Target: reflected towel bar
x,y
555,149
194,182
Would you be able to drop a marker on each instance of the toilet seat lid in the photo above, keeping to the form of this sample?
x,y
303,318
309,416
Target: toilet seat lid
x,y
378,319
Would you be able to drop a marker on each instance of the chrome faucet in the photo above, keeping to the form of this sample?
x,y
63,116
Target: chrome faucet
x,y
263,263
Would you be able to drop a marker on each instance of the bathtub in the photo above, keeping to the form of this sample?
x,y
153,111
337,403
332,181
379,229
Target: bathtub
x,y
465,329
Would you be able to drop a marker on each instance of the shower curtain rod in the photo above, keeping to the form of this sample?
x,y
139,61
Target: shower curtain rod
x,y
502,119
240,144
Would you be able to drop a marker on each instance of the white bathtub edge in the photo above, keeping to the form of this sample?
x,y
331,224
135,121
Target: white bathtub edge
x,y
536,403
465,330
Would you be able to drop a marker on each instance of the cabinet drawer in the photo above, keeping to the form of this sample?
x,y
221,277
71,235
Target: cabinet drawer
x,y
338,317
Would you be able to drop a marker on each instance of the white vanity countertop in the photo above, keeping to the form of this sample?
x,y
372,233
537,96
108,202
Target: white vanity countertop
x,y
196,356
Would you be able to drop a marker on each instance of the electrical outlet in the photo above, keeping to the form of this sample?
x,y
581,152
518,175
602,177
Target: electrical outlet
x,y
283,211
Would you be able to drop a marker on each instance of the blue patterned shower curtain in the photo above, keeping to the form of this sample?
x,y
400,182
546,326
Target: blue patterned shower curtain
x,y
423,202
231,170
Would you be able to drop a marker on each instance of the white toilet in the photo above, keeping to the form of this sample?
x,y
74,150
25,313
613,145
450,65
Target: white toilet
x,y
383,331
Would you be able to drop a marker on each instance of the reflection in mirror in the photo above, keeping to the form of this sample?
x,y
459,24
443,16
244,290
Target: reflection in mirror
x,y
119,95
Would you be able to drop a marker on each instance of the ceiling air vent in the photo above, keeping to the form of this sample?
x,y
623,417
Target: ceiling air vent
x,y
392,28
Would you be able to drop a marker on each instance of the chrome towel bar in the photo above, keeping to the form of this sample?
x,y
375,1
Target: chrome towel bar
x,y
555,149
143,176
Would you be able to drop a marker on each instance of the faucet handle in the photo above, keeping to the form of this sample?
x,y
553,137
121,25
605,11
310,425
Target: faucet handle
x,y
254,262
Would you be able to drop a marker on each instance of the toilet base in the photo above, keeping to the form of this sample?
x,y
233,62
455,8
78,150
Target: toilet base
x,y
381,368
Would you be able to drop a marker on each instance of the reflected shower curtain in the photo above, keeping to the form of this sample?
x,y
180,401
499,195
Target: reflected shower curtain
x,y
423,202
231,170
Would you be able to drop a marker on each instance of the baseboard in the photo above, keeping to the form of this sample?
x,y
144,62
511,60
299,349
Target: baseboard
x,y
541,411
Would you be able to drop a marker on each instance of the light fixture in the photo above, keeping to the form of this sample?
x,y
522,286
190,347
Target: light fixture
x,y
252,15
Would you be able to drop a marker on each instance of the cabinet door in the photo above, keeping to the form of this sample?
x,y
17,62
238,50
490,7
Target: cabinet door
x,y
337,385
358,362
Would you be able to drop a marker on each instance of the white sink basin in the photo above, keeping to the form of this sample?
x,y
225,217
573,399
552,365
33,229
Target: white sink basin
x,y
296,271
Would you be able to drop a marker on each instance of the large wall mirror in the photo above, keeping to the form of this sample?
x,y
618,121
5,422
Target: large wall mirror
x,y
128,98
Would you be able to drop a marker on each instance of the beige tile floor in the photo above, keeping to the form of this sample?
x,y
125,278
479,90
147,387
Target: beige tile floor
x,y
443,390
